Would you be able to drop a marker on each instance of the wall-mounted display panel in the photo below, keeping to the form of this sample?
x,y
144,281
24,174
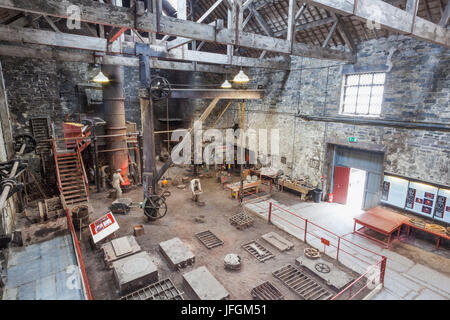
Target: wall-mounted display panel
x,y
394,191
442,206
421,198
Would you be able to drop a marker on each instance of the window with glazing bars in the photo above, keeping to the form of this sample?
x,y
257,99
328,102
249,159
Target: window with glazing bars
x,y
362,94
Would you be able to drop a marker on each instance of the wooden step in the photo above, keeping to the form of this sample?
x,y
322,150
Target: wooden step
x,y
69,170
75,196
66,162
79,186
77,191
72,182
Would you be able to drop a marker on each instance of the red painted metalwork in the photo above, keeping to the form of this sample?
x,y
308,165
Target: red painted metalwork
x,y
381,220
340,243
270,212
80,160
439,235
79,255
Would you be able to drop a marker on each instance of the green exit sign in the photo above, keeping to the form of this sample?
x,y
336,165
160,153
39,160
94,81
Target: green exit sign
x,y
352,139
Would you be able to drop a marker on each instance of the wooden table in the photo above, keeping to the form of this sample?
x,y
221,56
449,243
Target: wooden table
x,y
296,187
247,185
262,177
381,220
439,235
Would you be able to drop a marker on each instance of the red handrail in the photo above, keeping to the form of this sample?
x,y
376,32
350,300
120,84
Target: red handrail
x,y
339,248
83,171
79,255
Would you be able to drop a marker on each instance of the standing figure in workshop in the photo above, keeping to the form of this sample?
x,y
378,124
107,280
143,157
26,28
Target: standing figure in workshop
x,y
196,189
116,181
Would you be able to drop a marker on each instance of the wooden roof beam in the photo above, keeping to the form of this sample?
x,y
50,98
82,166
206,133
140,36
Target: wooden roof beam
x,y
388,16
95,12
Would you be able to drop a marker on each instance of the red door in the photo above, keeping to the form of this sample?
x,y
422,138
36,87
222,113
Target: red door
x,y
340,184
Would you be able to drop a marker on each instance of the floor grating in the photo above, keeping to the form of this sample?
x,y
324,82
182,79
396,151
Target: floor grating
x,y
257,250
241,221
209,239
302,284
266,291
161,290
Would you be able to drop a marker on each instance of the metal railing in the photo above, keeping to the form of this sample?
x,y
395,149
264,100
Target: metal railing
x,y
371,273
79,256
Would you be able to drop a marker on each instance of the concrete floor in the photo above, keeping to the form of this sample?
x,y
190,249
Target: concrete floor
x,y
415,268
413,273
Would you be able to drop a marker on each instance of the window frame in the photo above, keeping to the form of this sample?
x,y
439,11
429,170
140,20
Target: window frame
x,y
372,85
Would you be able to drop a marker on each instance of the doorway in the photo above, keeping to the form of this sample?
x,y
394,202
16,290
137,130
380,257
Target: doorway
x,y
356,186
370,166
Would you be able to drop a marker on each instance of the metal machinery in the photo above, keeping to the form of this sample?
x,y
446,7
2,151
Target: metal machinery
x,y
10,172
151,89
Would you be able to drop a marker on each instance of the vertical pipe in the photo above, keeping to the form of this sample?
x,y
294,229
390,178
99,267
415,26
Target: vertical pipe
x,y
270,212
306,229
338,247
115,119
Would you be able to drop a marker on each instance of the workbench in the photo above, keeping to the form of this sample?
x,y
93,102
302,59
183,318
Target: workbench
x,y
304,190
271,177
236,187
439,235
381,220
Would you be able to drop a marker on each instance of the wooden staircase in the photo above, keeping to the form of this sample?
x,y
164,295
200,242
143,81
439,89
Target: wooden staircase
x,y
72,182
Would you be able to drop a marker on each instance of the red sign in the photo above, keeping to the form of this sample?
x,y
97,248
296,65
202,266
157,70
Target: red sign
x,y
102,223
325,241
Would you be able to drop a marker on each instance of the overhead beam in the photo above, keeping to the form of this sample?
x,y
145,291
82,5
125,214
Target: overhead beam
x,y
95,12
389,16
216,94
261,21
76,56
49,38
445,16
330,34
292,8
306,26
344,33
51,23
115,34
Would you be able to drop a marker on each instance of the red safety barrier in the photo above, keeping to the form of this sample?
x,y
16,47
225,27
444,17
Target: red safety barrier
x,y
371,276
79,255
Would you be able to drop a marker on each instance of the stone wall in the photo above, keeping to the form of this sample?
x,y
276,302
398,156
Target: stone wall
x,y
417,89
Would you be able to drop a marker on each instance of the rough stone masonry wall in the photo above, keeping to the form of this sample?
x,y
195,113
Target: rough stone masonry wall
x,y
417,89
37,88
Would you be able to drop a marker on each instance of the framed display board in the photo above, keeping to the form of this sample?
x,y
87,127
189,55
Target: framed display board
x,y
394,191
421,198
442,206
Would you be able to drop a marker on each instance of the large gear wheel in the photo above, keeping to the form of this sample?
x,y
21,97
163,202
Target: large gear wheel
x,y
155,207
312,253
159,88
322,267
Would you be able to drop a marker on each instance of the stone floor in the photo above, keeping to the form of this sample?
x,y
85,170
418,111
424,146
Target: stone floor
x,y
180,222
415,268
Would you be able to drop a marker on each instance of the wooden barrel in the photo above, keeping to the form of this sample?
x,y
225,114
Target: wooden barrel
x,y
80,216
